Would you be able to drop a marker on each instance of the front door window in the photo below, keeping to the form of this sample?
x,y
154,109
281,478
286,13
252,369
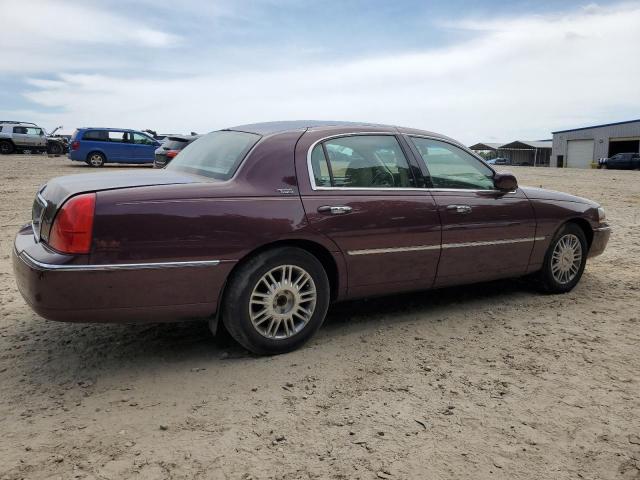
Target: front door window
x,y
452,167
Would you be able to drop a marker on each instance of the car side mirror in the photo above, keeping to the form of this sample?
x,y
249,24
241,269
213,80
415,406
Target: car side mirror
x,y
505,182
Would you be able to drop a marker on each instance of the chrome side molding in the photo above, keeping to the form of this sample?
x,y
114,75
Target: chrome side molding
x,y
375,251
25,257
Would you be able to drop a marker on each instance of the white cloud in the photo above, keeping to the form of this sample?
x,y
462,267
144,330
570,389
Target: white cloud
x,y
517,78
49,35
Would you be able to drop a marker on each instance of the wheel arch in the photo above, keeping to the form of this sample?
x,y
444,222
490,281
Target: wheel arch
x,y
96,150
315,248
321,252
584,225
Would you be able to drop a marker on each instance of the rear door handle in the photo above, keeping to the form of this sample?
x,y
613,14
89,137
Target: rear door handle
x,y
334,209
459,208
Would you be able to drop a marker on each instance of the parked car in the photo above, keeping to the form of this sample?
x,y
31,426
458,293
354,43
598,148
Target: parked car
x,y
170,147
97,146
499,161
621,161
262,226
16,136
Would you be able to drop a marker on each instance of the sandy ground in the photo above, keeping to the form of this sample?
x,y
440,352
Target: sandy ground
x,y
487,381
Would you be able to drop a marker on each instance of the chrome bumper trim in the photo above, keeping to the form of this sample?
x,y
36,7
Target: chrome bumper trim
x,y
25,257
444,246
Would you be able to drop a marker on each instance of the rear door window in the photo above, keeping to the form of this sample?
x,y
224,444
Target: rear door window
x,y
118,137
361,161
22,130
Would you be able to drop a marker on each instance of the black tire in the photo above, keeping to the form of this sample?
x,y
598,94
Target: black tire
x,y
548,281
96,159
237,305
54,148
6,148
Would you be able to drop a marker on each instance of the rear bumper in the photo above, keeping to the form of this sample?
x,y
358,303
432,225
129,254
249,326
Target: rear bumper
x,y
600,239
59,287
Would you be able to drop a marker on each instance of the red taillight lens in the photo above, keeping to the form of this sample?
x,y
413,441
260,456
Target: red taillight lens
x,y
73,226
172,153
75,145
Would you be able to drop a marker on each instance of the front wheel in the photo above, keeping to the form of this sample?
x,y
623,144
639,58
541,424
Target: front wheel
x,y
276,301
565,260
54,148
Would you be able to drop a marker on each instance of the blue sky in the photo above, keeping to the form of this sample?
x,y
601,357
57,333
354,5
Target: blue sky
x,y
490,71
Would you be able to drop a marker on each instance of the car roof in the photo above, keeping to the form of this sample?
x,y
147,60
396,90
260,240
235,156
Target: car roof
x,y
114,128
19,124
270,128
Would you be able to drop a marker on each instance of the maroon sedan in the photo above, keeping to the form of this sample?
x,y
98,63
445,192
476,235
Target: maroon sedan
x,y
262,226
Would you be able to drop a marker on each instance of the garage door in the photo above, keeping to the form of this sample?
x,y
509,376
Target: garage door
x,y
579,153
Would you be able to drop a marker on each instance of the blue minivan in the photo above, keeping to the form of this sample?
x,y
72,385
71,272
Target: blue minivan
x,y
97,146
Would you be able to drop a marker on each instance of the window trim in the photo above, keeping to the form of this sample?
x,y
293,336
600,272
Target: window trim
x,y
312,179
420,161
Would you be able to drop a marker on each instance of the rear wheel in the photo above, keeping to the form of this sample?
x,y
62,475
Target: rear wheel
x,y
95,159
565,260
276,301
6,147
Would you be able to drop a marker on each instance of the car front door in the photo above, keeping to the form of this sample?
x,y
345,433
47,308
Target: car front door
x,y
361,190
143,148
36,138
486,234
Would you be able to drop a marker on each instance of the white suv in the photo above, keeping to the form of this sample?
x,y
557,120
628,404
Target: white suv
x,y
20,136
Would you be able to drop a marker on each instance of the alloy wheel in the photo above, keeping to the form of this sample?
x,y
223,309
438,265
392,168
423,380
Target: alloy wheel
x,y
282,302
566,259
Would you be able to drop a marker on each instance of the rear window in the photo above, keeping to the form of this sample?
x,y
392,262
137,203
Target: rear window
x,y
216,155
171,143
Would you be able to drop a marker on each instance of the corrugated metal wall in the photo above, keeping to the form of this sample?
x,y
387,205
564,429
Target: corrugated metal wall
x,y
600,135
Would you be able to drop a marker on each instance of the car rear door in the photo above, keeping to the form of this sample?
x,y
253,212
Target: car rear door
x,y
486,234
20,137
360,189
119,146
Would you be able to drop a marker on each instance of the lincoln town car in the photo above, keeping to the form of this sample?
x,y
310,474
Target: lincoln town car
x,y
263,226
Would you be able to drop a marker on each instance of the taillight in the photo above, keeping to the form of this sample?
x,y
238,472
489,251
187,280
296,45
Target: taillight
x,y
172,153
75,145
73,226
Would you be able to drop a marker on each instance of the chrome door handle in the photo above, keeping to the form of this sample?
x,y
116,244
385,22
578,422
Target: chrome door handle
x,y
334,210
459,208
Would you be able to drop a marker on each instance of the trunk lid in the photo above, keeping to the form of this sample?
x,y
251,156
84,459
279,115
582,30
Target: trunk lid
x,y
53,194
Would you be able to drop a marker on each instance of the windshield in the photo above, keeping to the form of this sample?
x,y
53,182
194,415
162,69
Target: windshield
x,y
216,155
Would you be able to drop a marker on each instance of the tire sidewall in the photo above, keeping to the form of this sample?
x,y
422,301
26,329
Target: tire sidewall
x,y
235,314
6,148
91,155
550,282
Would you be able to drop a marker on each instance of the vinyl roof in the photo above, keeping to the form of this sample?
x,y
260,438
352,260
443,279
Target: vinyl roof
x,y
597,126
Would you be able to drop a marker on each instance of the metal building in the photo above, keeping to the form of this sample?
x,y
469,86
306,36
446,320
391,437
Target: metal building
x,y
582,147
520,152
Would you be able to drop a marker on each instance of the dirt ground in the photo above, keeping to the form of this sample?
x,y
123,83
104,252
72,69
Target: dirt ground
x,y
486,381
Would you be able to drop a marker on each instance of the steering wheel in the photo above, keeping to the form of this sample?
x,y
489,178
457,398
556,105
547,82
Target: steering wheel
x,y
383,178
